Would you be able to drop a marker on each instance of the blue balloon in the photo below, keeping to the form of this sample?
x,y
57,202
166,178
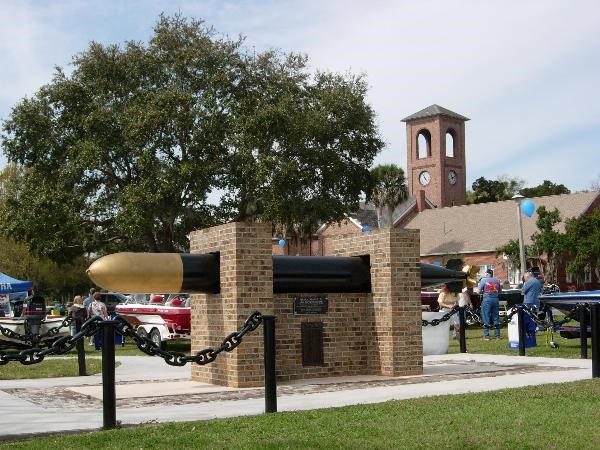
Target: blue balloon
x,y
528,208
366,229
282,243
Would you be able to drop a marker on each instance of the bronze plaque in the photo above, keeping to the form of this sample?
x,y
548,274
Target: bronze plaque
x,y
310,305
312,344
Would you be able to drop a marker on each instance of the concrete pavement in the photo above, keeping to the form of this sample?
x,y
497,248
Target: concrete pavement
x,y
148,390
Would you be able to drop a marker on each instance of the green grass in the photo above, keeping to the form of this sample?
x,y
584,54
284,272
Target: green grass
x,y
568,348
549,417
48,368
131,349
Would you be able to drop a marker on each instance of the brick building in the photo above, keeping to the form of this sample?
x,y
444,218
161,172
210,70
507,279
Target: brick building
x,y
436,174
475,231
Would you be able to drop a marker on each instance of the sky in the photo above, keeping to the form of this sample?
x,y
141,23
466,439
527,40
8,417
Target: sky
x,y
526,72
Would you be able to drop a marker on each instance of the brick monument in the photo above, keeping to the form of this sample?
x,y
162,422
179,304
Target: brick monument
x,y
347,334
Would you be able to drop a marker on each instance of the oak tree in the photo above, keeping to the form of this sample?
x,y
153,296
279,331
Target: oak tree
x,y
123,152
546,188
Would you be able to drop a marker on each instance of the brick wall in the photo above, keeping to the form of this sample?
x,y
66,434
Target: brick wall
x,y
394,307
439,191
334,231
292,247
346,337
378,333
318,245
246,285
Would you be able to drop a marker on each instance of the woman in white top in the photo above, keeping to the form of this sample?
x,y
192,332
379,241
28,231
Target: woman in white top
x,y
447,300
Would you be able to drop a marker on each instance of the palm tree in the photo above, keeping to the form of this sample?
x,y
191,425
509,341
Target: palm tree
x,y
388,190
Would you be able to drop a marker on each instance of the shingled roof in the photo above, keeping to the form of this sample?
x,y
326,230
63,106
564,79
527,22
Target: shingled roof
x,y
365,217
434,110
367,213
486,226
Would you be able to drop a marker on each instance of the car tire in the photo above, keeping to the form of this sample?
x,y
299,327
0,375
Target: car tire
x,y
142,332
157,339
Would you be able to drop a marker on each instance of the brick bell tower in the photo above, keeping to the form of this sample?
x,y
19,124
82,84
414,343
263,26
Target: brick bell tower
x,y
436,155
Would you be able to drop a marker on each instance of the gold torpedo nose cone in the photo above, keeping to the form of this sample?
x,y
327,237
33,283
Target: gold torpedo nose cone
x,y
130,272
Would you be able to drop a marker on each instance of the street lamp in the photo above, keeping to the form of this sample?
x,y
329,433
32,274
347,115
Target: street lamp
x,y
518,199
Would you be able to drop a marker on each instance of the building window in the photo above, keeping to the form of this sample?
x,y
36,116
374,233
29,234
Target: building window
x,y
423,144
450,148
569,277
514,274
587,274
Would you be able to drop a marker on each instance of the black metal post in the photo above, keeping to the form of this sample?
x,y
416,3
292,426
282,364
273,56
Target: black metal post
x,y
269,359
462,336
109,396
521,319
595,307
80,349
583,324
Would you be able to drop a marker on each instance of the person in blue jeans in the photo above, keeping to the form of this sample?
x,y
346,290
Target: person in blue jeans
x,y
490,288
97,308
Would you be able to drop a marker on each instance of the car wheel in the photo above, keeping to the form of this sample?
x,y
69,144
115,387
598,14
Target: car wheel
x,y
156,339
142,332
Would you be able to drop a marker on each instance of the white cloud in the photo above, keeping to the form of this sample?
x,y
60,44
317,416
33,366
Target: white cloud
x,y
525,72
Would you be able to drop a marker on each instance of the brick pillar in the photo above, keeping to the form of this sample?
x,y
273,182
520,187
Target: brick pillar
x,y
394,309
421,202
246,285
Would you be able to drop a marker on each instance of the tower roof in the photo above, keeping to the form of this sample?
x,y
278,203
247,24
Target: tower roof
x,y
434,110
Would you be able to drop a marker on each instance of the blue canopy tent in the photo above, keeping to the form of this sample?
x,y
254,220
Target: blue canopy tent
x,y
9,285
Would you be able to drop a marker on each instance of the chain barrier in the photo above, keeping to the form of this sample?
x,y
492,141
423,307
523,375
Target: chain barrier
x,y
202,357
34,354
470,315
572,315
64,344
34,339
444,318
472,318
532,314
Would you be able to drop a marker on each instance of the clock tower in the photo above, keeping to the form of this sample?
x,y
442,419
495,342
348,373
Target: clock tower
x,y
435,139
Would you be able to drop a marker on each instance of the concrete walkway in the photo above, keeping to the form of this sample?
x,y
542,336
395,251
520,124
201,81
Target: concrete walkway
x,y
148,390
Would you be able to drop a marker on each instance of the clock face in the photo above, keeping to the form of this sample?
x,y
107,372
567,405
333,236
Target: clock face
x,y
452,177
424,178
